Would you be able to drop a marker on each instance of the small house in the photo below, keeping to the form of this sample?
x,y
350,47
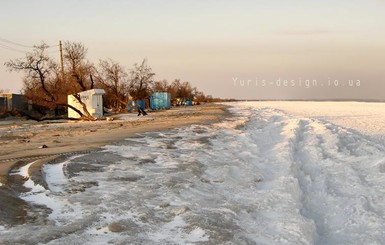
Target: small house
x,y
93,99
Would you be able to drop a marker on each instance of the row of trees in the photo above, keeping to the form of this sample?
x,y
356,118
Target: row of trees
x,y
47,85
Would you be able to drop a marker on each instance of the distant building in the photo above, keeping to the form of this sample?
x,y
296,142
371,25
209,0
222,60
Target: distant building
x,y
93,99
160,101
10,102
183,101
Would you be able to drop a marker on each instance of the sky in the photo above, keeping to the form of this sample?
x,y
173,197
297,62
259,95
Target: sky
x,y
276,49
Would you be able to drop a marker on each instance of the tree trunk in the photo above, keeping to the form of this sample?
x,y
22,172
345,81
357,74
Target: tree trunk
x,y
87,115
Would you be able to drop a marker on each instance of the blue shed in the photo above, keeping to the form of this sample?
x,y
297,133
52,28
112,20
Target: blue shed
x,y
131,106
188,102
160,101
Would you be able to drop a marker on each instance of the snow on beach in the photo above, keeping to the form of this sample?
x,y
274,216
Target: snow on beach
x,y
367,118
39,195
275,173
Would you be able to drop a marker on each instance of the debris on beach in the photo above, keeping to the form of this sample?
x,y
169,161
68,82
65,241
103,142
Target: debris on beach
x,y
116,227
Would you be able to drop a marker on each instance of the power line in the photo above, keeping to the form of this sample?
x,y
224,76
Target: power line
x,y
24,52
10,48
53,46
22,45
54,51
14,43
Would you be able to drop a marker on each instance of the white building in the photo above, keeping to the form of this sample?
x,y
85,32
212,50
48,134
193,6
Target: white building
x,y
93,99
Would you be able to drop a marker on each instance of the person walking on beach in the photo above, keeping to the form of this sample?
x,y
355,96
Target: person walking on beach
x,y
140,109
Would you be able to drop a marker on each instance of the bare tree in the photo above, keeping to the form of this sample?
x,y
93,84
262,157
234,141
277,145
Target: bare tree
x,y
173,90
114,80
200,97
78,68
186,91
43,84
181,91
141,80
40,71
78,72
160,86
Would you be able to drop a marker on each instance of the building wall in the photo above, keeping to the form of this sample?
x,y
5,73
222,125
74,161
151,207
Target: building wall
x,y
11,102
93,99
160,101
3,104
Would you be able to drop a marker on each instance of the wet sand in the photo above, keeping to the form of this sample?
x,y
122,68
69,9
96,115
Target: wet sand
x,y
21,142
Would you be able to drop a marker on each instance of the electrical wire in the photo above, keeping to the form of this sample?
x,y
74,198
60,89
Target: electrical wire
x,y
14,43
10,48
53,46
54,51
22,45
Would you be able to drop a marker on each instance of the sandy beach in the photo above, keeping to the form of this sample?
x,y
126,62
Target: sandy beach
x,y
22,139
22,142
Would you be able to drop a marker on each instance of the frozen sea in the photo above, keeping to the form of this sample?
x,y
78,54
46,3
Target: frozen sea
x,y
273,173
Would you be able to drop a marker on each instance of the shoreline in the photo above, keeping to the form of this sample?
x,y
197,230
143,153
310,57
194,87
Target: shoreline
x,y
23,140
20,142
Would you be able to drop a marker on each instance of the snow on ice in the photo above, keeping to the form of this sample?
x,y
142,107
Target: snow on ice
x,y
274,173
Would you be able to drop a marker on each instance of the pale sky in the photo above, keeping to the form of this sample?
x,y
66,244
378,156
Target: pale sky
x,y
225,48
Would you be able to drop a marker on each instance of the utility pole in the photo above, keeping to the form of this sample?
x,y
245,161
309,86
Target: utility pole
x,y
61,60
